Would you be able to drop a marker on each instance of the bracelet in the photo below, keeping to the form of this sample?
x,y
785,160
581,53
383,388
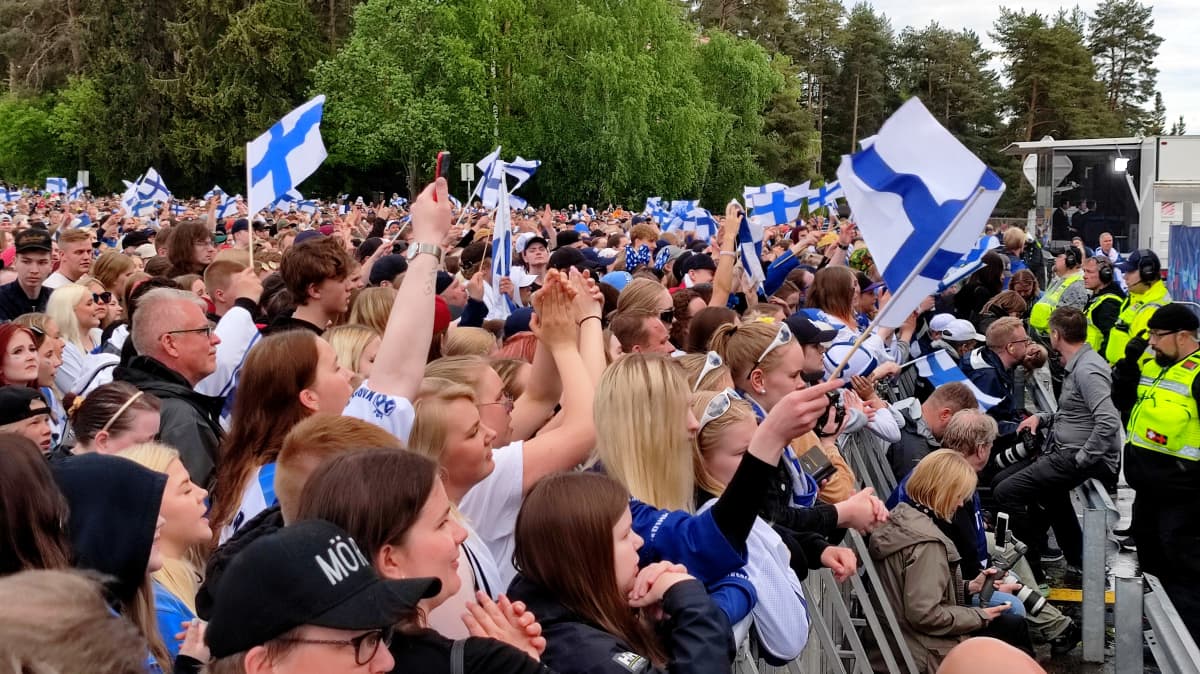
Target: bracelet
x,y
729,253
580,321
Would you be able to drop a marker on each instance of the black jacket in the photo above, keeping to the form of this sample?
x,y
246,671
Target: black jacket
x,y
428,651
266,522
191,421
913,446
114,506
697,635
14,301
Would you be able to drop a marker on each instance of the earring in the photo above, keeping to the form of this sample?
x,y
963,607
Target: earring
x,y
762,390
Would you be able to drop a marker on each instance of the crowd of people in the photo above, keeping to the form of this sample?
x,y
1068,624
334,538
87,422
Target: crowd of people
x,y
343,443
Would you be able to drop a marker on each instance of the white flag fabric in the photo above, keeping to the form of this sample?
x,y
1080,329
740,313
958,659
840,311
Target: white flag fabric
x,y
285,155
56,185
940,369
920,200
778,207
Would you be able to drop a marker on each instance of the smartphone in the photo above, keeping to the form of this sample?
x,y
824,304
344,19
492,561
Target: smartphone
x,y
1001,530
817,464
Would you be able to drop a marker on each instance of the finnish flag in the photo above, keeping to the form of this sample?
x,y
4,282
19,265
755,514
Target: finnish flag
x,y
700,221
502,246
216,191
749,192
76,192
969,264
522,169
56,185
285,155
825,195
7,195
940,369
750,236
227,208
779,207
307,206
921,200
151,187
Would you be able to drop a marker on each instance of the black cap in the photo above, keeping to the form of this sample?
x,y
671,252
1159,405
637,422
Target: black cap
x,y
567,237
517,321
308,573
701,261
240,225
387,268
17,404
807,332
535,240
33,239
1174,317
565,258
1137,258
444,279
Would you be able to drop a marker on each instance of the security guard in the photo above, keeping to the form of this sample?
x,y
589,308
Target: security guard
x,y
1065,290
1147,292
1105,306
1162,454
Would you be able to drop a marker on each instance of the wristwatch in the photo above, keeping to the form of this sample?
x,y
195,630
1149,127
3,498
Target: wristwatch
x,y
415,249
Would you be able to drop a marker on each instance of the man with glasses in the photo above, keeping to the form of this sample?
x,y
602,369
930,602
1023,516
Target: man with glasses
x,y
177,349
1162,454
306,600
990,367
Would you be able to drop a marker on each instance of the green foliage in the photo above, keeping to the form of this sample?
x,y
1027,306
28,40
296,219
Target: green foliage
x,y
863,92
28,152
1121,36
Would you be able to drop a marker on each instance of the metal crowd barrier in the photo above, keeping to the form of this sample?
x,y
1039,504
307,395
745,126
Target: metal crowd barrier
x,y
1172,644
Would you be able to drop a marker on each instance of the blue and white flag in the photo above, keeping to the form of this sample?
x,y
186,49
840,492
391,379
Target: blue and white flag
x,y
921,200
285,155
652,204
8,196
700,221
494,180
659,214
969,264
825,196
178,209
456,202
522,169
771,209
287,201
216,191
151,187
748,192
399,201
489,180
750,236
502,245
940,369
308,206
56,185
682,207
227,207
76,192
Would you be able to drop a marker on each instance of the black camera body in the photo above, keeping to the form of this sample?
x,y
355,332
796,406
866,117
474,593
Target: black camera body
x,y
1009,551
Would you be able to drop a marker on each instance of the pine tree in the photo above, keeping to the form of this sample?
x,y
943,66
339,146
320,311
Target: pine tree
x,y
1122,39
863,93
1155,123
1178,128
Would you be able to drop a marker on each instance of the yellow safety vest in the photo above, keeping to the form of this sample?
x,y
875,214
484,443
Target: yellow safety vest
x,y
1094,337
1165,419
1136,311
1039,317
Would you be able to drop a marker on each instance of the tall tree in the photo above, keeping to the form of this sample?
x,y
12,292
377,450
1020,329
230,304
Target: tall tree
x,y
1122,39
863,93
815,54
1178,128
766,21
43,42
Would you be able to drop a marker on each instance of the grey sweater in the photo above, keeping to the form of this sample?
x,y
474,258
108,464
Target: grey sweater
x,y
1086,425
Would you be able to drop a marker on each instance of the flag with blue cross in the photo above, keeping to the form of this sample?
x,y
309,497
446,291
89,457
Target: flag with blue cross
x,y
921,200
778,207
824,196
56,185
285,155
940,369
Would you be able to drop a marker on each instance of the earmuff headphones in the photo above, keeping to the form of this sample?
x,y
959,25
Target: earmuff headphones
x,y
1149,268
1071,257
1104,268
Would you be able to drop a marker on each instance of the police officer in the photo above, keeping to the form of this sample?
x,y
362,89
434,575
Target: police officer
x,y
1065,290
1147,292
1105,305
1162,454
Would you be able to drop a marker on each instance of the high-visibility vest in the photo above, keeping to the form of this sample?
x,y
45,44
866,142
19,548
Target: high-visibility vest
x,y
1136,311
1039,317
1165,419
1094,337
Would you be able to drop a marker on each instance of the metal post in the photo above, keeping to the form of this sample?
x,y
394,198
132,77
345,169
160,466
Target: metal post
x,y
1094,540
1128,623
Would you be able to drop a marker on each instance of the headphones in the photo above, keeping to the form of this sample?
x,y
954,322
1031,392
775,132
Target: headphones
x,y
1071,257
1104,268
1149,268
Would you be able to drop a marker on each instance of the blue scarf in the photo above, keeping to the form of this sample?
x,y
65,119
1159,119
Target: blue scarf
x,y
637,258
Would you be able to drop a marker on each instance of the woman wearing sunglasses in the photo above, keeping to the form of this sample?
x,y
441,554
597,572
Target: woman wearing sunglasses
x,y
108,309
780,617
73,308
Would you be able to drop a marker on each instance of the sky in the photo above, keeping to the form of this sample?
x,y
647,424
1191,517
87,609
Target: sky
x,y
1177,21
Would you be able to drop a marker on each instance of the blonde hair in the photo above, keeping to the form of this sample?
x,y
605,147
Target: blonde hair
x,y
61,308
469,342
968,430
509,370
708,439
741,345
640,407
941,482
465,370
349,341
372,307
432,420
641,294
1001,331
109,266
773,312
717,379
1014,238
180,577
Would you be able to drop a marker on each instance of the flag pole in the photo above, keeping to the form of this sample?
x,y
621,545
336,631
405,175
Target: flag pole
x,y
249,207
979,190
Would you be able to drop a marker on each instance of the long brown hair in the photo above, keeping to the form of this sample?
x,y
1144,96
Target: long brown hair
x,y
181,248
375,495
832,291
564,542
33,512
265,409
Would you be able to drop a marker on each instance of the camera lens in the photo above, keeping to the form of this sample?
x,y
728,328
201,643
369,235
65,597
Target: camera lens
x,y
1033,601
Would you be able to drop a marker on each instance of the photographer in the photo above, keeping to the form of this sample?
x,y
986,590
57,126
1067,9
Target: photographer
x,y
1083,442
990,368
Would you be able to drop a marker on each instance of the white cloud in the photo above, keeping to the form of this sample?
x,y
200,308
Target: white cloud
x,y
1175,20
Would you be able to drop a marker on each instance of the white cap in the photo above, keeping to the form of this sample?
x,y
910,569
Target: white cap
x,y
523,239
940,321
145,251
960,330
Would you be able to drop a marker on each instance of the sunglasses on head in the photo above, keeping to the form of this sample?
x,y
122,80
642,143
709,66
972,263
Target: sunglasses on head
x,y
717,407
712,361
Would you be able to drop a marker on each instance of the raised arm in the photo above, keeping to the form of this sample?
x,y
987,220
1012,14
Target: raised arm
x,y
400,364
727,257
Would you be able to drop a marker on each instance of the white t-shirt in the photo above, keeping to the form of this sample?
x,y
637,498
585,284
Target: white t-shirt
x,y
56,281
491,509
258,495
391,413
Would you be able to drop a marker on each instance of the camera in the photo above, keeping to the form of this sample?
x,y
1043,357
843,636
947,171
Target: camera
x,y
1009,551
838,407
1027,444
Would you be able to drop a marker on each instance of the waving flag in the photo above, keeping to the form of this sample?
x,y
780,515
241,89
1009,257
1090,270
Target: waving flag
x,y
7,195
308,206
216,191
940,369
494,180
287,201
502,243
151,187
749,193
750,236
285,155
825,196
779,207
700,221
76,192
969,264
921,200
56,185
522,169
652,204
398,201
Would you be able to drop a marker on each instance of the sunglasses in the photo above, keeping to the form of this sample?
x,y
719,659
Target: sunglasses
x,y
102,298
667,316
717,407
711,362
782,337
